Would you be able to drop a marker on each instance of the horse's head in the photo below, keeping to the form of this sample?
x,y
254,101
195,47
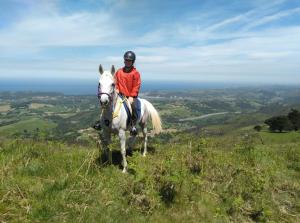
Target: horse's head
x,y
106,85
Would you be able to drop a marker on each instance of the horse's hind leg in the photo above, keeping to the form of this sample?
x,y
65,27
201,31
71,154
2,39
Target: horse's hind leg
x,y
145,136
122,137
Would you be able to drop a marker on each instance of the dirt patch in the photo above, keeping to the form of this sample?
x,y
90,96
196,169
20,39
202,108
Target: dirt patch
x,y
66,115
4,108
38,105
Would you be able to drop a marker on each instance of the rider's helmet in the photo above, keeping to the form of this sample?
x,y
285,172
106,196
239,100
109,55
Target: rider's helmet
x,y
129,55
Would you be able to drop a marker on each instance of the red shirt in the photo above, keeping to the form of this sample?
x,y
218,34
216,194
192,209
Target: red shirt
x,y
128,84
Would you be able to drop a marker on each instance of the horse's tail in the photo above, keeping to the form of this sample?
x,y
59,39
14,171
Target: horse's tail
x,y
156,121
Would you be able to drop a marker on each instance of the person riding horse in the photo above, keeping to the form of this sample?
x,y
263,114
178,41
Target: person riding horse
x,y
128,83
114,116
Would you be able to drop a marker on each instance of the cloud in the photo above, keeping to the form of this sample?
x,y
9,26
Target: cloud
x,y
52,29
227,22
272,18
213,46
76,30
261,56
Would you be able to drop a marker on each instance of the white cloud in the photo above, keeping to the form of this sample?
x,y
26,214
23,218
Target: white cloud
x,y
76,30
52,29
271,18
179,50
226,22
271,54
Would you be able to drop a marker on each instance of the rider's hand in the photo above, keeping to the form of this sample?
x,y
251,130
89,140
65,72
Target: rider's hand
x,y
117,91
130,99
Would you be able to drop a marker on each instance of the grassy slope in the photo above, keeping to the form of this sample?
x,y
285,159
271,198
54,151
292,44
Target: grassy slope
x,y
30,125
184,180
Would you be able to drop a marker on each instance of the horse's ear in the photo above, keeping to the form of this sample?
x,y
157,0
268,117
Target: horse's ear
x,y
101,69
113,70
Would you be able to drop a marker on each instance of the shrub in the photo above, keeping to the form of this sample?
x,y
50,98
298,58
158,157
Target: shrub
x,y
257,128
294,117
168,192
279,123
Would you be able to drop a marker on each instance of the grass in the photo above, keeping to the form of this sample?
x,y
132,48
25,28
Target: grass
x,y
30,125
280,138
185,179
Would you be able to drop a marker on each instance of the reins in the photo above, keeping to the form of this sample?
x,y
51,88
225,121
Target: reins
x,y
116,106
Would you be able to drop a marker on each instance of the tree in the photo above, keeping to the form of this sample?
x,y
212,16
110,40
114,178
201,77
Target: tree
x,y
279,123
294,117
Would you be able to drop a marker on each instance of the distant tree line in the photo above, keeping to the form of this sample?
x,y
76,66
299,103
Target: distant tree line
x,y
284,123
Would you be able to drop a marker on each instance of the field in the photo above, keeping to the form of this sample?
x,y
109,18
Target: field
x,y
222,109
215,168
30,125
184,179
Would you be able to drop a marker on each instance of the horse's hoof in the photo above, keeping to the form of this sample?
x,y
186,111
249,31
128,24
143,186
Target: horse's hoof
x,y
144,155
124,171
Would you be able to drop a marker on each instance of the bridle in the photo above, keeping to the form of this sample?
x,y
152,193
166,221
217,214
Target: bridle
x,y
110,96
101,93
111,99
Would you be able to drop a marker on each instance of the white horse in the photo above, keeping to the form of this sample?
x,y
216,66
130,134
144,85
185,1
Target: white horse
x,y
113,116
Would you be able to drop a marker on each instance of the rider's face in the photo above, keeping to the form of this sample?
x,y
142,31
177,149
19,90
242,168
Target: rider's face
x,y
128,63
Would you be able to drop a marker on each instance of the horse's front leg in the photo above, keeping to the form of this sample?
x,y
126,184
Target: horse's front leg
x,y
105,137
131,142
108,154
122,137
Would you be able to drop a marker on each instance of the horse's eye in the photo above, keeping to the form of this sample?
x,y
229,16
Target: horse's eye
x,y
113,85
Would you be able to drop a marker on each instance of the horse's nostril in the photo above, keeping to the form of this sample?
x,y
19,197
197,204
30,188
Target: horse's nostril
x,y
104,102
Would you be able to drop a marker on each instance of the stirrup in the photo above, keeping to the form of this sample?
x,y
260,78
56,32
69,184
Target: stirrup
x,y
97,125
133,131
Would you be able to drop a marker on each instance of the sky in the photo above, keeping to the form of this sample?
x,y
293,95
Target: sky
x,y
248,41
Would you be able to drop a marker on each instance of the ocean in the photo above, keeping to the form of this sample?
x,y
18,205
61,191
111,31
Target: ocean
x,y
89,87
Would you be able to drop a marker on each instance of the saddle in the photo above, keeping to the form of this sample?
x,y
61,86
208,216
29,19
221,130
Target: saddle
x,y
128,108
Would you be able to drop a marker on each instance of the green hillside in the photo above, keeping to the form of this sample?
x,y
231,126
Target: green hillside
x,y
28,125
208,165
249,177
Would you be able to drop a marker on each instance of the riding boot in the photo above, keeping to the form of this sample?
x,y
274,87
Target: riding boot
x,y
134,117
